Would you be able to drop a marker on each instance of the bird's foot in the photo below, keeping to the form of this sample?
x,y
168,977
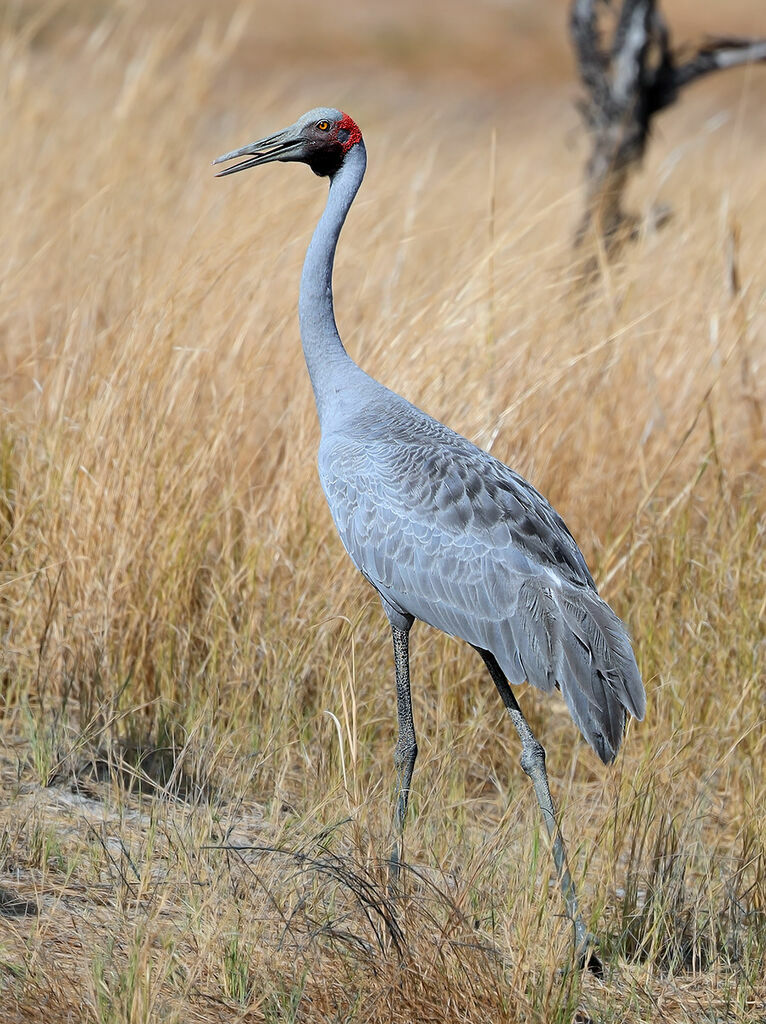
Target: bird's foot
x,y
586,953
593,962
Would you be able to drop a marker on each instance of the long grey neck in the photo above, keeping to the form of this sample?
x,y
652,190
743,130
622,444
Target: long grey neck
x,y
327,360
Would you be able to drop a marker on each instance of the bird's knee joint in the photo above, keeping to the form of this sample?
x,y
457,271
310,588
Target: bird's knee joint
x,y
533,758
405,752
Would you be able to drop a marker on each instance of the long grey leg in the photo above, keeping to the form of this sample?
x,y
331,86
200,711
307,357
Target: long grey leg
x,y
533,763
406,748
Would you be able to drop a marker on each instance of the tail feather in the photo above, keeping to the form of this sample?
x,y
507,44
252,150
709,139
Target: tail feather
x,y
602,689
572,639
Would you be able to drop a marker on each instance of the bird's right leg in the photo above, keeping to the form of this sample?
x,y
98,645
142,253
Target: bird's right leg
x,y
533,763
406,748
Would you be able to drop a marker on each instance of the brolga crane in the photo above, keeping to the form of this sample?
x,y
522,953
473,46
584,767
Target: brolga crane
x,y
445,532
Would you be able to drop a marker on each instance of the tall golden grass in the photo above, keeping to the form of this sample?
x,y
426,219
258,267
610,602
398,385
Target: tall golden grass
x,y
197,694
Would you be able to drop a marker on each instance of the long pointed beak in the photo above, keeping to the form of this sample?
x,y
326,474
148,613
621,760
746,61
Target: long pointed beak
x,y
272,147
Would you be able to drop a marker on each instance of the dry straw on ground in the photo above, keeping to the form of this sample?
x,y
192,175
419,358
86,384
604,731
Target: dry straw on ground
x,y
197,695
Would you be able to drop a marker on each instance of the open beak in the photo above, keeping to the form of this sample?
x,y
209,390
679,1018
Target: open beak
x,y
280,146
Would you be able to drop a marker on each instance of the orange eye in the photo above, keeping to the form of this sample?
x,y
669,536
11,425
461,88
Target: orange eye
x,y
323,126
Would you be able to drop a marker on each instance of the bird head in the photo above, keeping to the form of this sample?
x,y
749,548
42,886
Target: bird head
x,y
321,139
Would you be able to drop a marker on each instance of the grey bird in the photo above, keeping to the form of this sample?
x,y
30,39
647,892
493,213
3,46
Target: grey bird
x,y
445,532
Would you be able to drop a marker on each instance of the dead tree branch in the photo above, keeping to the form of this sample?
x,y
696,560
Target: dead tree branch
x,y
627,82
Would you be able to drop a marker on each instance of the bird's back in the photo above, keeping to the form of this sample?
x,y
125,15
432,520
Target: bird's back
x,y
448,534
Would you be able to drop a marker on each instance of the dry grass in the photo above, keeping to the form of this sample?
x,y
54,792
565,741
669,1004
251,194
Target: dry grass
x,y
197,695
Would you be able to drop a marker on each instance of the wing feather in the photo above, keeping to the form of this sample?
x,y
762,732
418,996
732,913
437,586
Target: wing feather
x,y
448,534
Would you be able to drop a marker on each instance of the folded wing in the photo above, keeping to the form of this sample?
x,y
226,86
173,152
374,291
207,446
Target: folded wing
x,y
448,534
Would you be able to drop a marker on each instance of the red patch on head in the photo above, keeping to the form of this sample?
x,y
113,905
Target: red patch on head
x,y
349,125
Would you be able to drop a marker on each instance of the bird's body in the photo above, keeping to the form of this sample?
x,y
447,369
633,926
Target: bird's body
x,y
449,535
444,531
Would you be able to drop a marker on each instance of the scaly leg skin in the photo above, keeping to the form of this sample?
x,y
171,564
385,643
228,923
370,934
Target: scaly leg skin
x,y
406,748
533,763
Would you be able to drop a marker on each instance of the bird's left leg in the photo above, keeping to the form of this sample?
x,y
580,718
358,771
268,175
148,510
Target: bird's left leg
x,y
533,763
406,747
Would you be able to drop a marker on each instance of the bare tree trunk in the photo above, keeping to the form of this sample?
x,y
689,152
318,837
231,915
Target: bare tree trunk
x,y
628,81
